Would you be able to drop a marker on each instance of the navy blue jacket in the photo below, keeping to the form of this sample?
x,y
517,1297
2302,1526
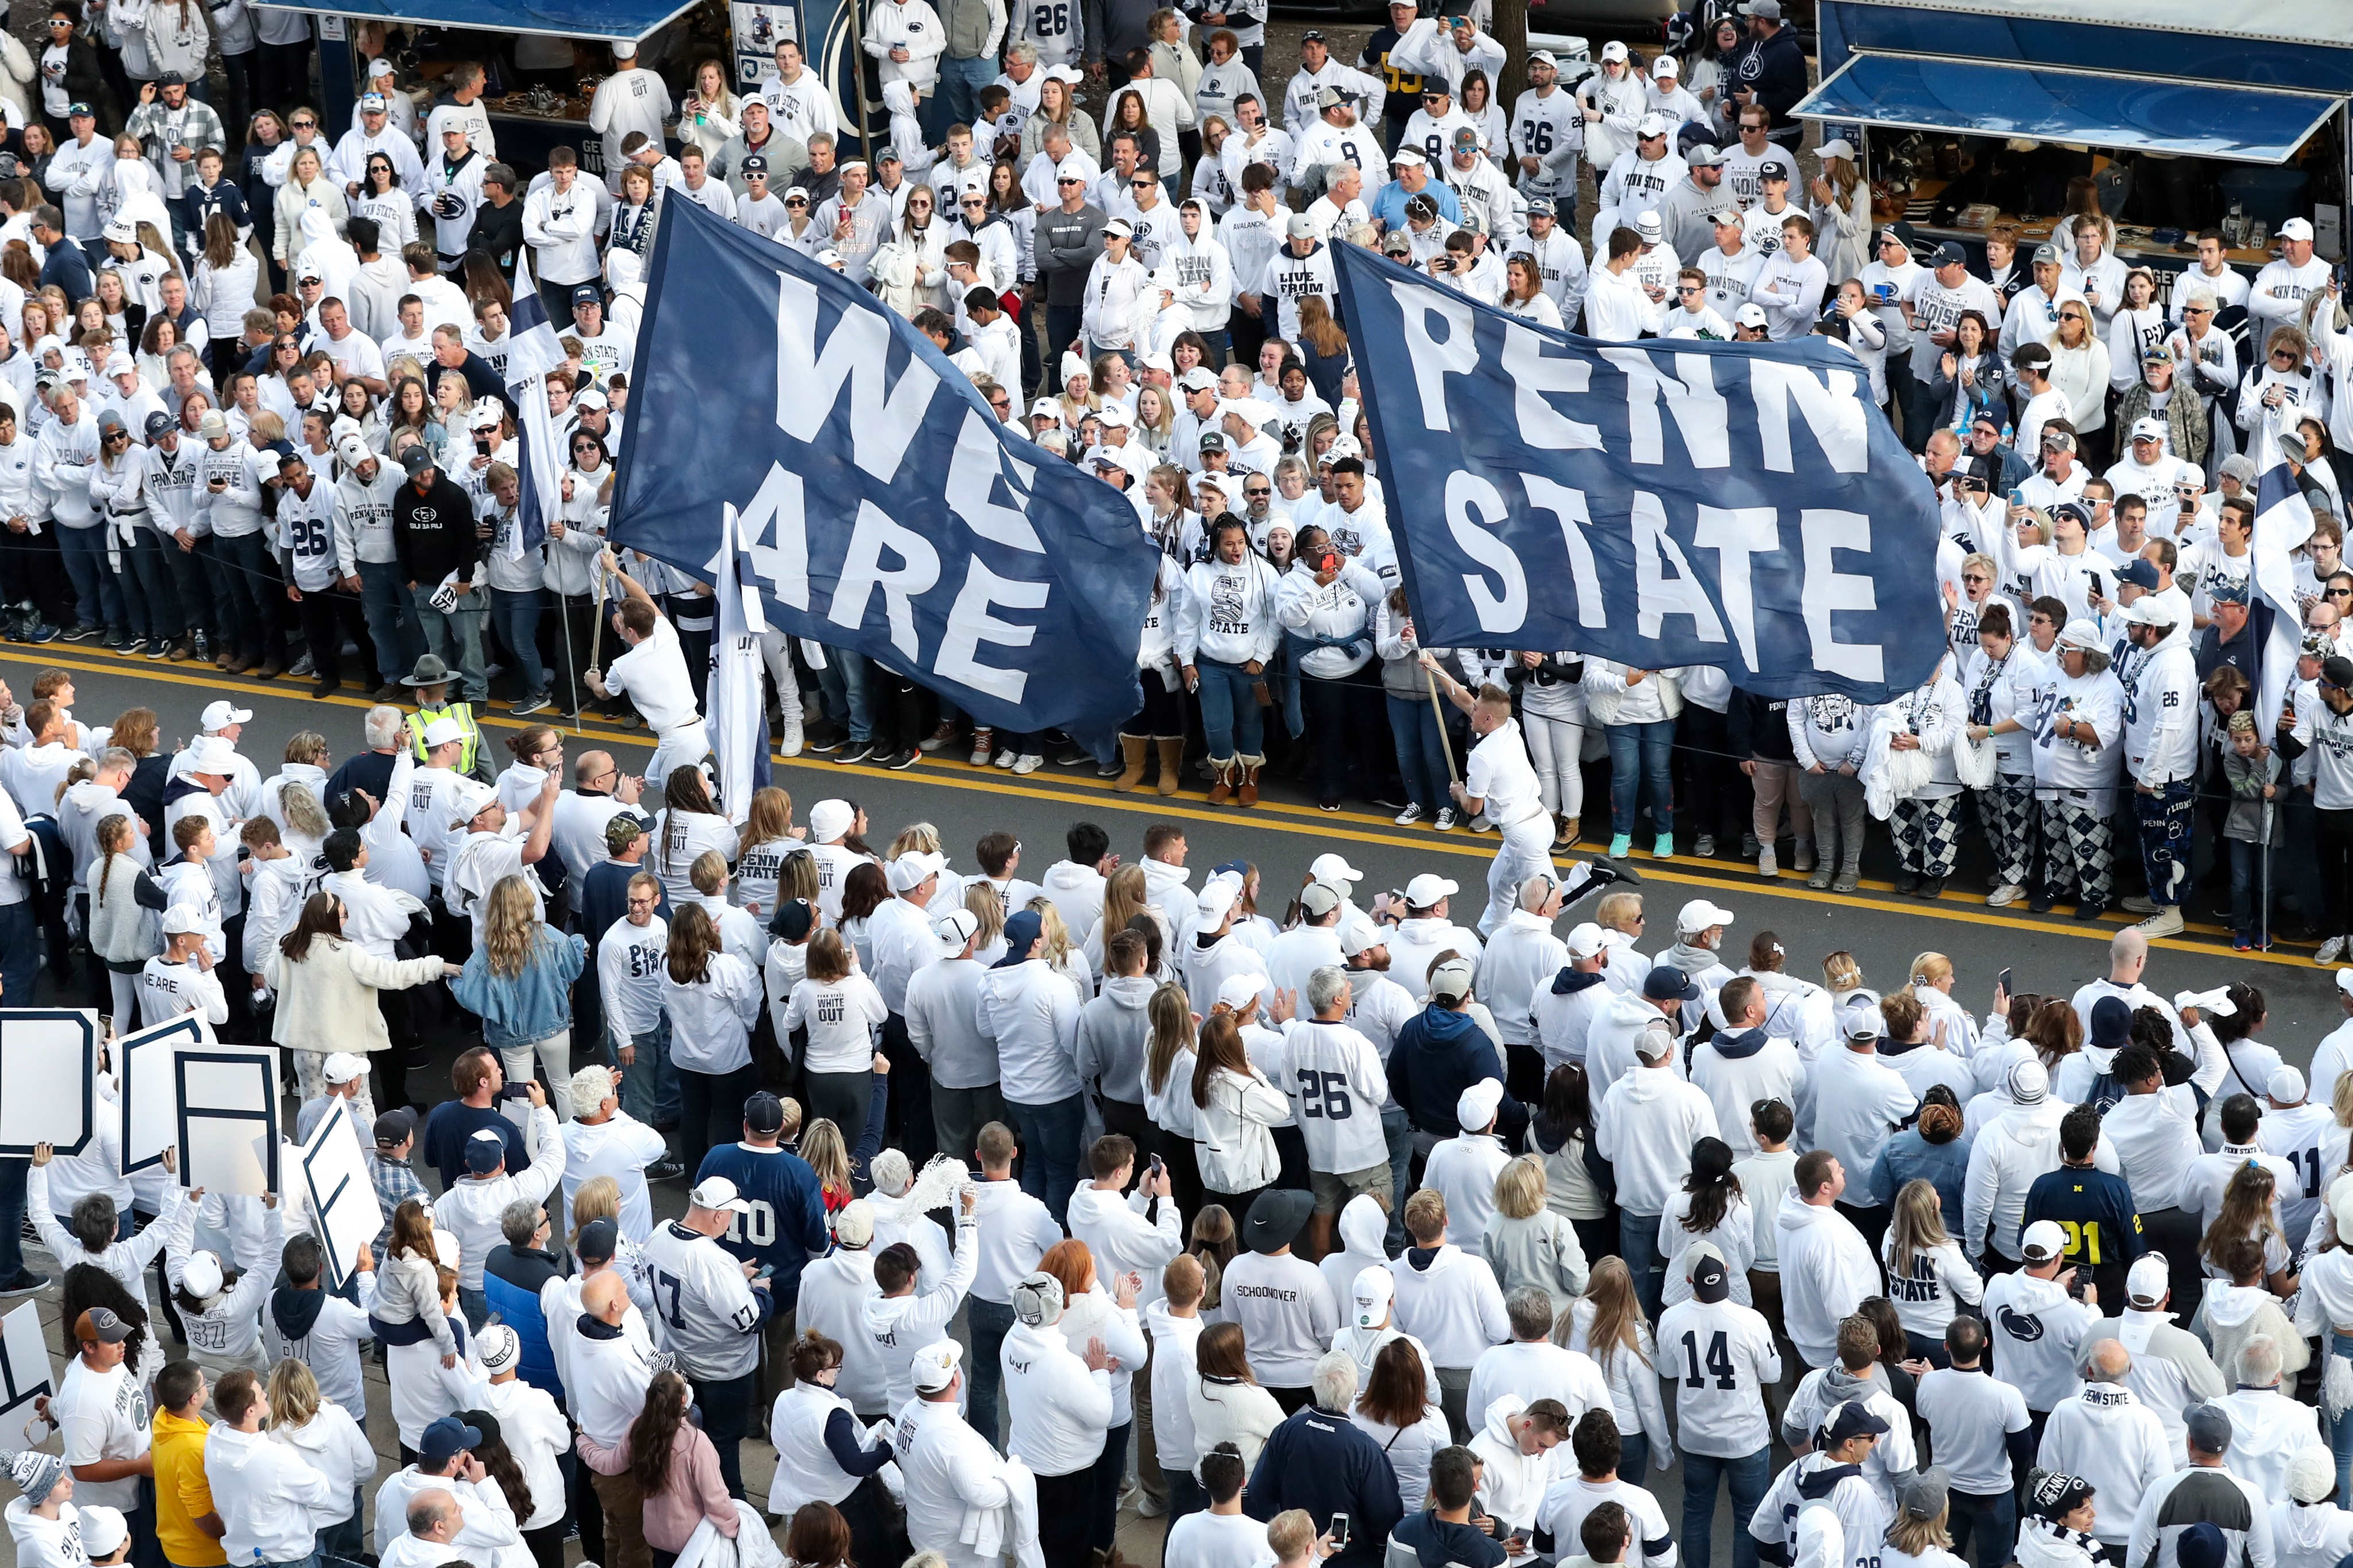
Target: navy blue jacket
x,y
1437,1056
1326,1465
69,270
2095,1209
787,1225
197,204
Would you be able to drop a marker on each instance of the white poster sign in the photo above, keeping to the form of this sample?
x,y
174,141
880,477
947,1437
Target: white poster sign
x,y
26,1372
339,1194
229,1117
150,1087
48,1071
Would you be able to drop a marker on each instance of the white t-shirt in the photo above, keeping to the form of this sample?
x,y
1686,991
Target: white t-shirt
x,y
1217,1541
654,675
840,1017
104,1417
1500,774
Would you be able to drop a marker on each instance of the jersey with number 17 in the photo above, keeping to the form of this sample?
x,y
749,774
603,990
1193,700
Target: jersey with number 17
x,y
786,1225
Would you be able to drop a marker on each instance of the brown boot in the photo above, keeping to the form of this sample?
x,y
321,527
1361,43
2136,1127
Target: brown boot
x,y
1130,752
1221,780
1172,762
1247,768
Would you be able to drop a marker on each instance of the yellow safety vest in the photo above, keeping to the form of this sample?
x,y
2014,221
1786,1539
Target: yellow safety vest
x,y
463,712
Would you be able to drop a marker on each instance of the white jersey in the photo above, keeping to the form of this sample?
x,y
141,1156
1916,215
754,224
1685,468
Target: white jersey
x,y
709,1313
1339,1086
1717,1356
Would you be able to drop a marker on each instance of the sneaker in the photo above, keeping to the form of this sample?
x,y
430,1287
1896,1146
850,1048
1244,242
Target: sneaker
x,y
1620,845
129,645
1408,816
87,632
1444,821
538,703
665,1171
26,1282
1478,824
2167,921
1749,846
1905,882
1705,847
1327,805
1663,847
904,759
322,688
1932,888
45,632
856,751
304,665
2329,950
1387,801
2088,910
793,741
2137,905
1027,762
2042,904
2005,895
938,740
1768,863
160,649
2242,945
1802,857
1149,1507
1007,758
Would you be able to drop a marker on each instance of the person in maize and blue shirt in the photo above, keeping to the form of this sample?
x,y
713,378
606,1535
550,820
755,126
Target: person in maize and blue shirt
x,y
2093,1206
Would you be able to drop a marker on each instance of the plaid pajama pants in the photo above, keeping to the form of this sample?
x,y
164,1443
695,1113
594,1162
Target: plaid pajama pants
x,y
1928,834
2078,849
2164,820
2006,812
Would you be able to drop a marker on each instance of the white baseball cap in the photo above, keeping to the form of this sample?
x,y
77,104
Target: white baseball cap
x,y
354,451
343,1067
2044,1240
1585,940
441,731
219,716
912,869
934,1366
1333,869
201,1274
1237,992
718,1192
212,754
1375,1288
1215,900
1666,66
1615,49
2148,1279
1427,888
1701,913
2296,228
1474,1107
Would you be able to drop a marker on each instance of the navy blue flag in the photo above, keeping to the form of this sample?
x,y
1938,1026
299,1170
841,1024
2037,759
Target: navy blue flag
x,y
1659,503
883,508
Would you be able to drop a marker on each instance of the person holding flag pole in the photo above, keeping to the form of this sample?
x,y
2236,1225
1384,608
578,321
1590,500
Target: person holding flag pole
x,y
2283,525
532,351
739,715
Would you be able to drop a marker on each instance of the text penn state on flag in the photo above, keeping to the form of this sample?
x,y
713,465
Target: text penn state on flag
x,y
1660,503
885,509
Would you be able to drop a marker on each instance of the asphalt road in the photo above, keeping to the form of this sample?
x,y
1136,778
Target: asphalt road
x,y
1282,835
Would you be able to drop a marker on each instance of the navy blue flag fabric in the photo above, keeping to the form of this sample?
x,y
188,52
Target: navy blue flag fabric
x,y
1659,503
883,508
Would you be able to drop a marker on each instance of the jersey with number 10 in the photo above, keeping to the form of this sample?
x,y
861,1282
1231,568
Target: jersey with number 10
x,y
786,1226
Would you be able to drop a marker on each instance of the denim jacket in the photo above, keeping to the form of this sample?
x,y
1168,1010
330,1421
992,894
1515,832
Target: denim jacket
x,y
534,1004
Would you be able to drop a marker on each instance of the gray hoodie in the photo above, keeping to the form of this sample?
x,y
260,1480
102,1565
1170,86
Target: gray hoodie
x,y
1114,1032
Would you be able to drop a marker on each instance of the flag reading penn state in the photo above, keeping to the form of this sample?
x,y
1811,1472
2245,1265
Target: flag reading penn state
x,y
884,509
1659,503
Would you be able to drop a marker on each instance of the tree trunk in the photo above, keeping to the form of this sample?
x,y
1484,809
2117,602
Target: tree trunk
x,y
1511,32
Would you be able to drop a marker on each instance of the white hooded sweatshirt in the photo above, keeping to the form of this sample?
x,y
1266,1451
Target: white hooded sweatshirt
x,y
1827,1271
2106,1436
1449,1302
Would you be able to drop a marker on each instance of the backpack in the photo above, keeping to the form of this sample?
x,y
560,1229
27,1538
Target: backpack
x,y
46,866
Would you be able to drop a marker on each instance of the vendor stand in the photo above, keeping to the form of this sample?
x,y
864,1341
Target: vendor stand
x,y
2183,114
534,108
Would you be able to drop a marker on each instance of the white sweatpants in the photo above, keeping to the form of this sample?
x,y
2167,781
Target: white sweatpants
x,y
1555,746
775,652
1525,850
555,1050
680,749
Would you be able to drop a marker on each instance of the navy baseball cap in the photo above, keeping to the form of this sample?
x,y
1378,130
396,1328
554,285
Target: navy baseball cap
x,y
587,294
446,1438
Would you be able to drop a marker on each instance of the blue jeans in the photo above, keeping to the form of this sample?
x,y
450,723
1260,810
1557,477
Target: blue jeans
x,y
960,83
98,598
1991,1521
345,1539
516,615
1748,1477
649,1088
195,583
1050,1138
391,620
147,586
843,682
2247,920
249,602
988,1323
1637,1244
457,635
1229,711
1634,1458
1420,753
1638,756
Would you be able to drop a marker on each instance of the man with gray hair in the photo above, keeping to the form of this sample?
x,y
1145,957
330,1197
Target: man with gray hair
x,y
2172,1370
2109,1436
2272,1427
371,771
1319,1460
2205,1496
1531,1366
513,1276
1062,1408
434,1521
1338,1087
1522,957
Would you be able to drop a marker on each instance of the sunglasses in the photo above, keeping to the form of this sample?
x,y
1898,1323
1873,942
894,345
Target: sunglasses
x,y
1142,185
2070,316
1970,577
2339,594
303,124
2282,356
797,202
1689,288
1257,495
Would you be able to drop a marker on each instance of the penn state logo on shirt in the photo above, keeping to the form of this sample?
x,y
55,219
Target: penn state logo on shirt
x,y
2024,1327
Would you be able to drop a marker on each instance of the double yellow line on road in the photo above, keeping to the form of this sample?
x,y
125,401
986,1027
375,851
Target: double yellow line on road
x,y
1275,816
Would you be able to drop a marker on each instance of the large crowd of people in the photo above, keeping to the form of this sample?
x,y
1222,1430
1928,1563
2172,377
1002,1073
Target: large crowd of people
x,y
1309,1217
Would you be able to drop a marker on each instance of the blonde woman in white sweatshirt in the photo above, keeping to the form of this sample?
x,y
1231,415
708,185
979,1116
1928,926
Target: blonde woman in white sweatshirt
x,y
1606,1324
1236,1112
